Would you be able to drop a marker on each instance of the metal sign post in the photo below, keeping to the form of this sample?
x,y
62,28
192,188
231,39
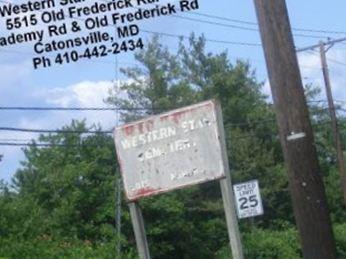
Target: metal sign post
x,y
139,229
227,194
174,150
231,218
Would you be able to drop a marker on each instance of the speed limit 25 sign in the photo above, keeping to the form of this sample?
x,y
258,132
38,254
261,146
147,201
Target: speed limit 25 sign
x,y
248,199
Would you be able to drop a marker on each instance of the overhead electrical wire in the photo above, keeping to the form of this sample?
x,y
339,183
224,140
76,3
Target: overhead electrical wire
x,y
240,43
336,61
333,60
255,23
216,23
21,108
111,131
88,60
177,36
56,131
164,34
243,22
14,140
30,108
227,124
45,145
241,27
34,144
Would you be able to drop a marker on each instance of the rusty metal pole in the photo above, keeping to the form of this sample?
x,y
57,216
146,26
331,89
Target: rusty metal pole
x,y
296,135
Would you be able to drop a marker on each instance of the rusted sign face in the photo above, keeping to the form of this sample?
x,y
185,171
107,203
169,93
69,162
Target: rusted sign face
x,y
170,151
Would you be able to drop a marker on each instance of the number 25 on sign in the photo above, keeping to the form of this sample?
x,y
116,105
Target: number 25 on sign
x,y
248,199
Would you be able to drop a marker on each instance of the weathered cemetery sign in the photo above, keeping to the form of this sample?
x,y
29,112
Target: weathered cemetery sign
x,y
174,150
170,151
248,199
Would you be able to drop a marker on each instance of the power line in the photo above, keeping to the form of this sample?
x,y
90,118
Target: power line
x,y
249,44
14,140
88,60
56,131
177,36
224,25
215,23
44,145
312,50
242,22
336,61
21,108
330,42
240,43
209,40
255,23
237,124
170,35
83,145
28,108
109,131
227,124
223,18
240,27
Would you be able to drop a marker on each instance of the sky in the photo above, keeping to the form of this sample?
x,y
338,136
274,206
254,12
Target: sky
x,y
87,83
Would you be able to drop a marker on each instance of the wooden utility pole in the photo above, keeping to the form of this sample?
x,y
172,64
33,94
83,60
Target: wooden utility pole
x,y
334,121
296,136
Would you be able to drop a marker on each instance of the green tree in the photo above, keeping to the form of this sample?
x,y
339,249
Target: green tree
x,y
164,81
62,201
73,182
65,194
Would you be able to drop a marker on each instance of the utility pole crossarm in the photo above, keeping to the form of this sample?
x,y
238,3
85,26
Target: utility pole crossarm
x,y
329,42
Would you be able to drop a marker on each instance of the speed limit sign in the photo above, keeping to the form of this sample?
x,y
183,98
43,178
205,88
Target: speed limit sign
x,y
248,199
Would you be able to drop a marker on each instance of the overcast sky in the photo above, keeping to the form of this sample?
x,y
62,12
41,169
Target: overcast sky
x,y
87,83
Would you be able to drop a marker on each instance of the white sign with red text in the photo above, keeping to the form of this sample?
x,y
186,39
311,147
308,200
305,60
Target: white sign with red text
x,y
169,151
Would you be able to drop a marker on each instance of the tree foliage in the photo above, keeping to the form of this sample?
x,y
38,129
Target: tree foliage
x,y
62,200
